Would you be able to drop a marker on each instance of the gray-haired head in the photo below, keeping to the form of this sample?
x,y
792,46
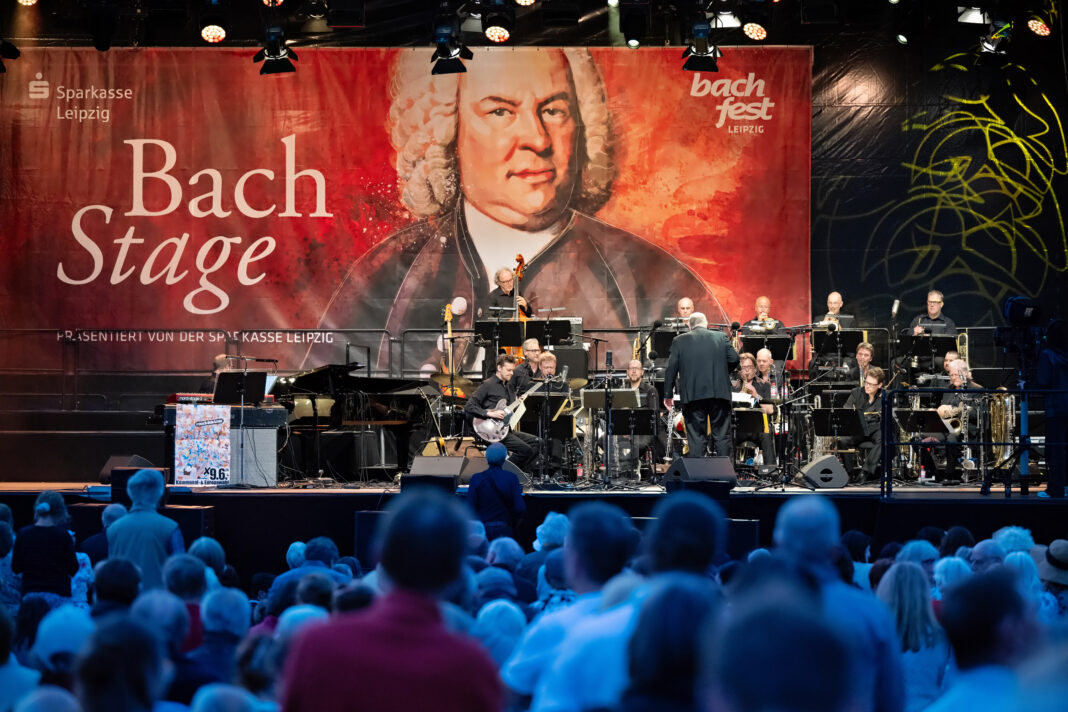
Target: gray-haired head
x,y
698,319
112,513
145,488
807,529
226,610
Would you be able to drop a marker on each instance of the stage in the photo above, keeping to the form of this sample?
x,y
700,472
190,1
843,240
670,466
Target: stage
x,y
256,525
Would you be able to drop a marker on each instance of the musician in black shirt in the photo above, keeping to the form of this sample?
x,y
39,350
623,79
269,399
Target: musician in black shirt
x,y
527,371
650,401
934,321
486,403
504,295
960,379
868,402
761,390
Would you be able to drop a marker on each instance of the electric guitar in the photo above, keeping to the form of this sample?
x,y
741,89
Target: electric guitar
x,y
494,431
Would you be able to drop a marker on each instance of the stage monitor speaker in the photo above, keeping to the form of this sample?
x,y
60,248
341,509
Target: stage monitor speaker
x,y
121,475
121,461
825,473
707,469
443,472
477,463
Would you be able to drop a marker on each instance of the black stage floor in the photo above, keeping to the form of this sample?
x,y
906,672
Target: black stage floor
x,y
255,526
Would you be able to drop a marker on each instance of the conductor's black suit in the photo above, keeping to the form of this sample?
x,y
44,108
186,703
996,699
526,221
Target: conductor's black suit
x,y
703,360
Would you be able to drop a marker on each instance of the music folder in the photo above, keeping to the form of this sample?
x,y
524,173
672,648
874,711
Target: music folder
x,y
230,384
843,422
621,398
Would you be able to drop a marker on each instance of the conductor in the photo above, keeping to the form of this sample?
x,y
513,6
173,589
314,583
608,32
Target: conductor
x,y
702,360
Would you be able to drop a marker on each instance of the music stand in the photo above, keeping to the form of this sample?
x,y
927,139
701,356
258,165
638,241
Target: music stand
x,y
660,344
549,332
501,334
632,423
577,360
749,421
919,421
621,398
840,341
779,346
837,423
240,387
933,345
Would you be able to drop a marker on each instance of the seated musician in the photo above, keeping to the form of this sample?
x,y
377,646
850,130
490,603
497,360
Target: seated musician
x,y
503,295
650,400
864,354
765,365
527,371
960,379
488,402
949,358
547,373
834,312
220,363
868,401
762,322
684,308
761,390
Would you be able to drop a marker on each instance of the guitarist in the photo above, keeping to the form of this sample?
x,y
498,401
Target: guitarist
x,y
522,447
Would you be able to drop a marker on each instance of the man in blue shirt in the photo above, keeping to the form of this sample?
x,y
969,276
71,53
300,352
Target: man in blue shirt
x,y
495,495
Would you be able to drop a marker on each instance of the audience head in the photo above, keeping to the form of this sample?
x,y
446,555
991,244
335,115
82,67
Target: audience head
x,y
5,514
210,552
922,553
494,583
61,636
806,529
353,597
986,555
1023,567
423,541
355,569
49,507
316,590
878,570
858,544
906,592
48,698
555,574
552,532
934,535
986,620
185,576
123,667
296,619
496,454
295,554
258,663
664,650
322,549
950,571
219,697
955,538
116,580
1052,564
112,513
505,552
889,550
498,627
165,614
780,632
688,533
33,608
7,539
225,610
597,546
145,488
1014,539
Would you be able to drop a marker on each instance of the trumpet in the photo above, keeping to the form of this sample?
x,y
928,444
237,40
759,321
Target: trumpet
x,y
962,346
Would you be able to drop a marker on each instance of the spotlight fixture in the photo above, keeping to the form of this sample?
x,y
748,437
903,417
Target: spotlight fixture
x,y
277,58
701,56
1037,25
7,51
633,21
272,3
27,3
996,40
901,38
755,18
213,20
498,21
449,51
524,3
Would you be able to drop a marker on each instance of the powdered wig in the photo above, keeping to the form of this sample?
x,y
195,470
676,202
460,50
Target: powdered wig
x,y
423,123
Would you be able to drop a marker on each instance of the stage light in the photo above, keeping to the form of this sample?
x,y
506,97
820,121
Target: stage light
x,y
633,21
277,58
755,31
213,20
901,38
498,20
7,51
972,16
272,3
27,3
449,51
701,56
524,3
613,3
894,2
1038,26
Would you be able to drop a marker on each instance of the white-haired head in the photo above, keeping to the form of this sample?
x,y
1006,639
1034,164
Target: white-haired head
x,y
698,319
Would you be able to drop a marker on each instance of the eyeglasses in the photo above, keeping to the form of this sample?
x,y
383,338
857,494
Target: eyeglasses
x,y
873,384
937,302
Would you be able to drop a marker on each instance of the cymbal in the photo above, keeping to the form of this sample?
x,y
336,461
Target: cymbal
x,y
462,382
577,383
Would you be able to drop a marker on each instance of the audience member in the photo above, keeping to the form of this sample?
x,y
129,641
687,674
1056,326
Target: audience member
x,y
806,530
495,495
1014,539
990,629
144,536
986,555
858,544
218,697
185,576
596,549
663,653
259,667
926,655
319,557
122,668
6,515
1052,562
495,584
687,535
558,595
168,618
934,535
295,554
889,550
225,616
948,572
316,589
294,620
16,681
922,553
354,597
116,585
497,627
1043,604
397,655
506,553
61,636
278,600
49,698
10,584
549,535
34,607
96,546
44,551
355,569
211,552
955,538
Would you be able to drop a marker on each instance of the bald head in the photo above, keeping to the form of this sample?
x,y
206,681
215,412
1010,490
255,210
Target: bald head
x,y
763,307
764,360
834,302
684,307
807,528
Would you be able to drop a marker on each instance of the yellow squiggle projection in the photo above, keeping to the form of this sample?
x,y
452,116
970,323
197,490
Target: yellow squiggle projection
x,y
981,199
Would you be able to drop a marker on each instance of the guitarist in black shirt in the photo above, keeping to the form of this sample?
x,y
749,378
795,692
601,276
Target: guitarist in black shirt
x,y
485,403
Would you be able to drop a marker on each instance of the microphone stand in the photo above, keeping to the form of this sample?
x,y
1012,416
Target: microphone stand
x,y
608,418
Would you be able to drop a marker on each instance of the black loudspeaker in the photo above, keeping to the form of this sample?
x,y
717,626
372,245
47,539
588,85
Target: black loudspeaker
x,y
121,475
825,473
477,463
121,461
443,472
707,469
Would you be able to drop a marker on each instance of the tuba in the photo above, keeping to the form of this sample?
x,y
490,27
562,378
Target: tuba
x,y
1002,425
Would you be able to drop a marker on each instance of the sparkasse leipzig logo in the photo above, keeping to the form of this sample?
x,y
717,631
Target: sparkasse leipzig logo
x,y
40,88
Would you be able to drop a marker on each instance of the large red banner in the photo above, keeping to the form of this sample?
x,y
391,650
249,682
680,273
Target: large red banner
x,y
179,189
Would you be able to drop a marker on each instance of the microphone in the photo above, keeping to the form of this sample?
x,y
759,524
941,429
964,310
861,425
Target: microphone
x,y
832,327
735,326
563,374
258,360
893,309
657,324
